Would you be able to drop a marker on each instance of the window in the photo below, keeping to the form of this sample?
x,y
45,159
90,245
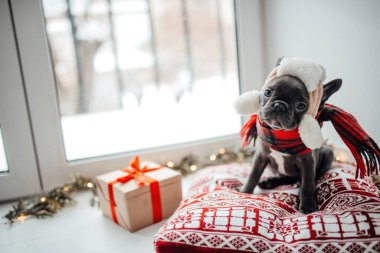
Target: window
x,y
18,167
139,74
102,81
3,158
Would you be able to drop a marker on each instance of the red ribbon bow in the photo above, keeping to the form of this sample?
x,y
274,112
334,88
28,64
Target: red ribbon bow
x,y
134,171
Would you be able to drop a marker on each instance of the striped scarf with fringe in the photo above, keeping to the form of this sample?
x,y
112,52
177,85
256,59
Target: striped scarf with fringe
x,y
363,147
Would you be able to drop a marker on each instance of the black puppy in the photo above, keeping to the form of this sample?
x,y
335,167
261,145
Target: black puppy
x,y
282,106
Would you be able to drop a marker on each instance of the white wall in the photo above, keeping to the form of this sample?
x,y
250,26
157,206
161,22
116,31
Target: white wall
x,y
344,36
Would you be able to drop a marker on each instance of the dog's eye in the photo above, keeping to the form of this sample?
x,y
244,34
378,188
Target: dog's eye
x,y
267,92
301,106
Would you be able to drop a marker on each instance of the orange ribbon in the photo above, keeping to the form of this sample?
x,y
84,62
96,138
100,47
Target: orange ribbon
x,y
137,173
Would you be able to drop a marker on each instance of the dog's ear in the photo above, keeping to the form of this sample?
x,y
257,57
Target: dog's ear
x,y
329,89
279,61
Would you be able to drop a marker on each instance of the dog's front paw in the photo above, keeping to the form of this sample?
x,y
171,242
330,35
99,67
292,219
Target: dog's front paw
x,y
246,189
307,207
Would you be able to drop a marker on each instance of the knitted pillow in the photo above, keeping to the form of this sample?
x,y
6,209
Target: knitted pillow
x,y
214,217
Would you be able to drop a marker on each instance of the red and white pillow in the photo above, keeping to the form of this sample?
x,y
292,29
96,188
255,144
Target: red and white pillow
x,y
214,217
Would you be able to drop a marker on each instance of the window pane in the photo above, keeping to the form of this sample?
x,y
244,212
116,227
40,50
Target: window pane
x,y
3,158
137,74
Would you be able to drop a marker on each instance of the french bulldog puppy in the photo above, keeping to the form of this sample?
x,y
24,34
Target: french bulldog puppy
x,y
282,106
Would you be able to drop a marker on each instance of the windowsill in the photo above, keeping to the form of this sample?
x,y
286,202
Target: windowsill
x,y
78,228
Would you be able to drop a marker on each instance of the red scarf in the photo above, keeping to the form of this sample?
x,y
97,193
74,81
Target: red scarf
x,y
363,147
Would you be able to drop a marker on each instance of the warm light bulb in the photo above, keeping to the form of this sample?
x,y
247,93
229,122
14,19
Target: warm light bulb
x,y
342,157
21,218
222,150
43,199
170,164
90,185
193,167
212,157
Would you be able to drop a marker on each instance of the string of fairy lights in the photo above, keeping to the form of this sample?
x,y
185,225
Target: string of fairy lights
x,y
191,163
48,204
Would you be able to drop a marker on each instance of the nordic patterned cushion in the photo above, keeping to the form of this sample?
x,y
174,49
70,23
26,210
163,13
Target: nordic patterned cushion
x,y
214,217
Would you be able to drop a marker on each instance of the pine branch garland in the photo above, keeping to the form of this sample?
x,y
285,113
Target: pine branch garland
x,y
46,205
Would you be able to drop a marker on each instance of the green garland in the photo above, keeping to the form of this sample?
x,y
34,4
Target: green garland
x,y
191,163
46,205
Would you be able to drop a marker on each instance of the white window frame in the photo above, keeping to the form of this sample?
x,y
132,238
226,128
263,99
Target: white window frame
x,y
43,100
22,177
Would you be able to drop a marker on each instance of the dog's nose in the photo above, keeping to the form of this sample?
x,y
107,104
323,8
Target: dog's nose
x,y
279,106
